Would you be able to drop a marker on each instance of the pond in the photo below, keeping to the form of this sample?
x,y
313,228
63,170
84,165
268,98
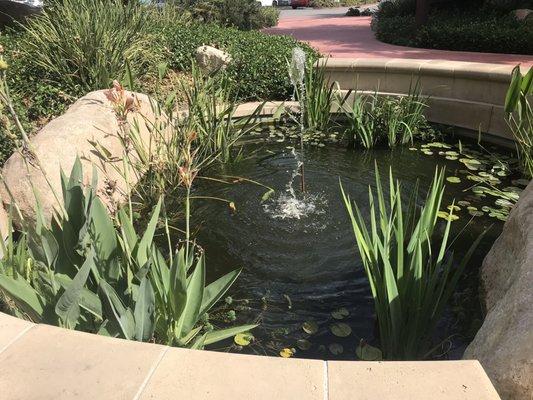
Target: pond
x,y
303,279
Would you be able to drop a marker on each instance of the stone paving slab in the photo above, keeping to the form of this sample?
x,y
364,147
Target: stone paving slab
x,y
399,380
54,363
45,362
211,375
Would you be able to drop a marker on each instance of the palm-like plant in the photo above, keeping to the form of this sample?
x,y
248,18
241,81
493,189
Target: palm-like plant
x,y
88,272
411,272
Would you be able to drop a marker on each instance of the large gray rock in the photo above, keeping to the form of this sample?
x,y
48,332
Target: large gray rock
x,y
11,12
504,344
211,60
91,119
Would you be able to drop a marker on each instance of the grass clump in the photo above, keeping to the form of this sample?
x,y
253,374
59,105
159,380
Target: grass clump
x,y
392,120
411,272
84,44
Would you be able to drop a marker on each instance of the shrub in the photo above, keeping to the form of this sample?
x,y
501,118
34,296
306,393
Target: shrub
x,y
241,14
323,3
259,67
467,32
353,12
84,44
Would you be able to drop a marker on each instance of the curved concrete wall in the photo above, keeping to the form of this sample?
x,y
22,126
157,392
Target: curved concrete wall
x,y
467,95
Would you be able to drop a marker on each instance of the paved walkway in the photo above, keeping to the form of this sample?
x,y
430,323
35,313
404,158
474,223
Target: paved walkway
x,y
335,35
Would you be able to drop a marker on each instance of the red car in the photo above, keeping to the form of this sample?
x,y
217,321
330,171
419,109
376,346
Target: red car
x,y
299,3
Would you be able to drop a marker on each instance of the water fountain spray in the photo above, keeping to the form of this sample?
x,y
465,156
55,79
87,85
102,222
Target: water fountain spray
x,y
297,75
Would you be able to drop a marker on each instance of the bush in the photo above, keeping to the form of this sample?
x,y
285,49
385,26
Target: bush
x,y
323,3
259,67
241,14
353,12
484,31
84,44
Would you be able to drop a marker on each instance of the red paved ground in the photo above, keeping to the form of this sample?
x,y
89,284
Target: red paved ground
x,y
351,37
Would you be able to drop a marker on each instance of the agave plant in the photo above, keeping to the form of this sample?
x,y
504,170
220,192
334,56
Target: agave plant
x,y
520,116
89,272
410,269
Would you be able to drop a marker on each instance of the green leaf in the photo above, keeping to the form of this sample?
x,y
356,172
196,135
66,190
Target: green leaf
x,y
216,336
67,307
513,93
24,296
115,311
303,344
215,290
146,241
366,352
336,348
144,311
341,313
195,290
340,329
243,339
104,240
87,300
178,284
310,327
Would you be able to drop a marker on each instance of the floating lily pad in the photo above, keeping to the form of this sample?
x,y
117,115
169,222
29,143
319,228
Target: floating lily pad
x,y
310,327
439,145
503,203
341,313
447,216
243,339
453,179
340,329
475,213
453,208
366,352
336,348
286,353
303,344
463,203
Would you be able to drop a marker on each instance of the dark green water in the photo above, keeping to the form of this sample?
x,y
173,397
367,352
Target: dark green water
x,y
304,269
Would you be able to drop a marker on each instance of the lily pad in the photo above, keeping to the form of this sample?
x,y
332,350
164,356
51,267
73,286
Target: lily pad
x,y
310,327
341,313
366,352
286,353
243,339
336,348
340,329
447,216
453,179
476,213
303,344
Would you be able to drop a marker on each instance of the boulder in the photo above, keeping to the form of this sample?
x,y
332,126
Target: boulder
x,y
211,60
504,344
88,122
11,11
522,14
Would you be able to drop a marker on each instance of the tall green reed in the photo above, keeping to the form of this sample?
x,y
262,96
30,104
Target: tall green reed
x,y
409,265
520,116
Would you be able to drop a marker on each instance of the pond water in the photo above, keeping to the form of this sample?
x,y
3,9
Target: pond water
x,y
301,268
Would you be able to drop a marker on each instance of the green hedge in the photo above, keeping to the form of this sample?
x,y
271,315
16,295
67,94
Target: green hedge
x,y
259,67
483,30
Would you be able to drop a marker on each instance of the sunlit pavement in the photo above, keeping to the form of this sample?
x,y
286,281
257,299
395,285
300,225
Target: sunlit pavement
x,y
336,35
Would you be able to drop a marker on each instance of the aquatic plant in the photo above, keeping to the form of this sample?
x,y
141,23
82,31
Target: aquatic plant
x,y
520,116
394,120
410,268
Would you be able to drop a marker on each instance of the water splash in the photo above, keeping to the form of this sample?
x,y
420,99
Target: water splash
x,y
289,204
